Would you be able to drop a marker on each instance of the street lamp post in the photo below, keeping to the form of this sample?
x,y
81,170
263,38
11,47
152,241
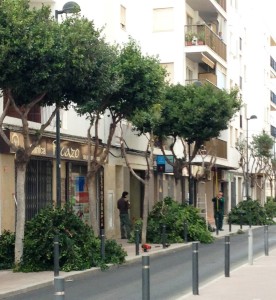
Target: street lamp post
x,y
247,158
69,7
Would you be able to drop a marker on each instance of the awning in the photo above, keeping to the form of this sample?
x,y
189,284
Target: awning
x,y
207,61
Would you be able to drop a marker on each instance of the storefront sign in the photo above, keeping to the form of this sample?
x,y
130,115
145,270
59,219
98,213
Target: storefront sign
x,y
47,147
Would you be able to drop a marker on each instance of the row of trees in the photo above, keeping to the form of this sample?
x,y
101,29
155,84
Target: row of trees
x,y
45,63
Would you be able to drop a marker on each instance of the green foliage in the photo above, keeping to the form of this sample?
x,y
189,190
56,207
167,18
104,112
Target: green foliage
x,y
262,145
7,240
250,212
173,214
270,208
79,248
197,113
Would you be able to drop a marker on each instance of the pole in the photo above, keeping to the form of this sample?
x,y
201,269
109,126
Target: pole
x,y
137,241
56,256
58,176
227,256
102,244
247,162
185,231
190,177
145,278
59,288
195,267
266,240
164,235
250,246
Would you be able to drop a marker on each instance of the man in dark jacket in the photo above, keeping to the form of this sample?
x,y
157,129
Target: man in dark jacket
x,y
123,205
218,202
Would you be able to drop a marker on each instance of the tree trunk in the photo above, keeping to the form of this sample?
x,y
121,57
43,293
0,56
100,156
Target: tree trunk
x,y
91,182
145,211
20,211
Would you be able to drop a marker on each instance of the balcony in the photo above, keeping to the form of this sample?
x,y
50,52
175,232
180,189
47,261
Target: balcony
x,y
200,39
273,67
208,9
216,148
272,101
273,131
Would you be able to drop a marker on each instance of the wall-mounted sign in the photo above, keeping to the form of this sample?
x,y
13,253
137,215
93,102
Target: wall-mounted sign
x,y
162,165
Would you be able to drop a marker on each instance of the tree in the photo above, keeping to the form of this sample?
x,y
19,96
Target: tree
x,y
194,114
137,83
144,122
260,162
39,61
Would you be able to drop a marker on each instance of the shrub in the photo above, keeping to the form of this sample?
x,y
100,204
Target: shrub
x,y
7,240
79,248
270,208
249,212
173,214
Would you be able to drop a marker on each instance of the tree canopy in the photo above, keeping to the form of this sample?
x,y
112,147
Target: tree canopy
x,y
197,113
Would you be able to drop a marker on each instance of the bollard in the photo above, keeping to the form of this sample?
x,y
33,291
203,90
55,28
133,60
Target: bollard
x,y
102,244
164,235
227,256
217,229
185,231
250,246
56,256
230,226
195,267
145,278
266,240
59,288
137,237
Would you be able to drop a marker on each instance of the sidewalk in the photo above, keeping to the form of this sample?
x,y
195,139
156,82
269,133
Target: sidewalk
x,y
256,282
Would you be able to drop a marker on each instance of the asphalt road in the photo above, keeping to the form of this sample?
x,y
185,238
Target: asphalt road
x,y
170,274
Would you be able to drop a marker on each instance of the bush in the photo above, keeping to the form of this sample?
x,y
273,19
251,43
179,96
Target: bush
x,y
270,208
79,248
250,212
7,240
173,214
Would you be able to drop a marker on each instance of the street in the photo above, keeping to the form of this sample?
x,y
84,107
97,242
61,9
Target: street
x,y
170,274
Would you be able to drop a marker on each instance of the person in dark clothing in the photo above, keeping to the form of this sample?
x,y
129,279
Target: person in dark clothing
x,y
123,205
218,202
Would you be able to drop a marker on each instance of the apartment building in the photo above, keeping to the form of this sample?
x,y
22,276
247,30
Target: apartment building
x,y
197,41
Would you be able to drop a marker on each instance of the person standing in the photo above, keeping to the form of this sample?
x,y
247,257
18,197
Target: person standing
x,y
218,202
123,205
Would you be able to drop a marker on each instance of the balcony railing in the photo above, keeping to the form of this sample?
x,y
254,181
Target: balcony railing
x,y
216,148
196,35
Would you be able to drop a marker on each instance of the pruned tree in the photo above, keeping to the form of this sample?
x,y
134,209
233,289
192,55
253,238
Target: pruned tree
x,y
195,114
259,164
138,82
43,63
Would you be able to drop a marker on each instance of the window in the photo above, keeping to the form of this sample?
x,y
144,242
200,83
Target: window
x,y
163,19
123,17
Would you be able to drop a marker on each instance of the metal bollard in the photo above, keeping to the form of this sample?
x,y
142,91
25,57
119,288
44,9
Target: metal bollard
x,y
250,246
230,226
227,256
56,256
195,267
164,235
185,231
145,278
137,238
266,246
102,244
59,288
217,229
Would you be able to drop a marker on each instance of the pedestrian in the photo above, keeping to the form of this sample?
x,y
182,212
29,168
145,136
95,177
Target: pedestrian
x,y
218,202
123,205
